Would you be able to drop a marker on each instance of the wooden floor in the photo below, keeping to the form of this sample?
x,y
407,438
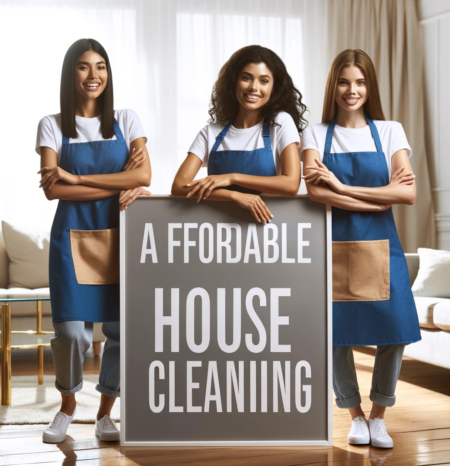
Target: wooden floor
x,y
419,425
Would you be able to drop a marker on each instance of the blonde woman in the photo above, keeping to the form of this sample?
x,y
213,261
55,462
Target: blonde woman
x,y
358,162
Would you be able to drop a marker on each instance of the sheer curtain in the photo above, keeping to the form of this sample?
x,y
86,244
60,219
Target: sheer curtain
x,y
165,57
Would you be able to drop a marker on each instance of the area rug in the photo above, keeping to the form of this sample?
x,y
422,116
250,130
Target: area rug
x,y
38,404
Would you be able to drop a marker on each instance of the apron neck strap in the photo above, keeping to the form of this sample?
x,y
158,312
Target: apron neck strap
x,y
266,136
372,127
329,137
375,135
221,135
117,132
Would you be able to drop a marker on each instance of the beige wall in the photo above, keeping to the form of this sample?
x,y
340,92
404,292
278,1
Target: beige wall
x,y
434,16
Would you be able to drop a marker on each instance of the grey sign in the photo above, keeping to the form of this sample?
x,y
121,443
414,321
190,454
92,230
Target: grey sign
x,y
226,325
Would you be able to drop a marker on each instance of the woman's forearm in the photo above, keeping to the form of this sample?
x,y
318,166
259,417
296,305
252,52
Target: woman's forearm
x,y
216,195
281,184
67,192
390,194
124,180
326,195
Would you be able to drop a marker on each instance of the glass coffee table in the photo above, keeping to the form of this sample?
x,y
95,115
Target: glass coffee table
x,y
20,340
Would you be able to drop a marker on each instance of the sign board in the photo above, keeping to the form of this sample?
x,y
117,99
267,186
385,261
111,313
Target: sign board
x,y
226,324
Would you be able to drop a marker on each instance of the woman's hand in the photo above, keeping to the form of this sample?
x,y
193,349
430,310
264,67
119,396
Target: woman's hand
x,y
321,173
137,158
205,186
254,204
50,175
400,177
130,195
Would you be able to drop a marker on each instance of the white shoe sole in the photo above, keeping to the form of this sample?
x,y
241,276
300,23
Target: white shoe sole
x,y
358,440
108,437
53,438
381,444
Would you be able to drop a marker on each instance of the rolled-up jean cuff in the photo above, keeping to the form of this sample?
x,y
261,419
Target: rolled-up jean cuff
x,y
107,391
71,391
382,400
351,402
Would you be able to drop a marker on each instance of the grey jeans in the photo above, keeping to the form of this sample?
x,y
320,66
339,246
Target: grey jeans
x,y
69,345
388,361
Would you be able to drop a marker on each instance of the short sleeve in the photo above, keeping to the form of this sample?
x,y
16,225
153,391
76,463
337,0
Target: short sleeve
x,y
287,133
135,128
45,135
309,141
399,140
200,146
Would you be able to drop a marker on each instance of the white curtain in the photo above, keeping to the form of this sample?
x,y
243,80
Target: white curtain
x,y
165,57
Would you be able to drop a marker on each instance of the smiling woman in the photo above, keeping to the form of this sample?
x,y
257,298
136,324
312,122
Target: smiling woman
x,y
358,162
251,145
86,165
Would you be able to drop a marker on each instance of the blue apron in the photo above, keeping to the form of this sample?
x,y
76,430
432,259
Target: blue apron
x,y
70,299
258,162
380,310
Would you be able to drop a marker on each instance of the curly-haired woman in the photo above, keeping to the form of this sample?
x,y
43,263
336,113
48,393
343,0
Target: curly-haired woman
x,y
251,144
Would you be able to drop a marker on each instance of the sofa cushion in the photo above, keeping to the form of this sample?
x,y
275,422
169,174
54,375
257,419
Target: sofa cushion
x,y
441,315
28,251
433,278
425,310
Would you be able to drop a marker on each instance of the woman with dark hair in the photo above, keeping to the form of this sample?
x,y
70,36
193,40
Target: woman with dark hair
x,y
86,164
358,162
251,144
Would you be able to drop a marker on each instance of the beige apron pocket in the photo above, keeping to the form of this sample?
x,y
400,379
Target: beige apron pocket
x,y
361,270
95,256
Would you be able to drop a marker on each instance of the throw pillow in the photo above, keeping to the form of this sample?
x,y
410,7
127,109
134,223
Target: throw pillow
x,y
433,278
28,251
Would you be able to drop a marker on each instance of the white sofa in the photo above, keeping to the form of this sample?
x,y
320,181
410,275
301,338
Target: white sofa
x,y
434,320
24,313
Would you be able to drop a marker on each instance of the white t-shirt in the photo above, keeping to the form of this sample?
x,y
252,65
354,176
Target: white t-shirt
x,y
392,137
49,132
247,139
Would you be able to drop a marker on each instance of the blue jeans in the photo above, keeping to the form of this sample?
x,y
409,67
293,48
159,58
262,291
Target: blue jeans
x,y
69,345
388,361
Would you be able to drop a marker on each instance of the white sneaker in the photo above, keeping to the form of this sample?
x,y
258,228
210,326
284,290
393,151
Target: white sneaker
x,y
378,435
359,433
106,430
56,431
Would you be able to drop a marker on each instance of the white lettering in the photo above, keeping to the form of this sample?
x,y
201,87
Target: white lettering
x,y
301,244
190,320
172,321
172,242
221,320
156,408
276,320
149,236
191,385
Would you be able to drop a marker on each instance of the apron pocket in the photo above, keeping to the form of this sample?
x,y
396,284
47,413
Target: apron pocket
x,y
95,256
361,271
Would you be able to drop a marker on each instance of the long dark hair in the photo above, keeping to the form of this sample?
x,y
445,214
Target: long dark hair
x,y
67,93
285,96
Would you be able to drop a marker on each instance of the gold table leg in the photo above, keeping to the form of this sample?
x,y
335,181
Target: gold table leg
x,y
5,355
40,348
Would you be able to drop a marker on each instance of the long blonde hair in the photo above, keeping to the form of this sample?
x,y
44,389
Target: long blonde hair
x,y
360,59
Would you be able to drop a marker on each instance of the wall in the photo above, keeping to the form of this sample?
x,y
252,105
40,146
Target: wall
x,y
434,17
